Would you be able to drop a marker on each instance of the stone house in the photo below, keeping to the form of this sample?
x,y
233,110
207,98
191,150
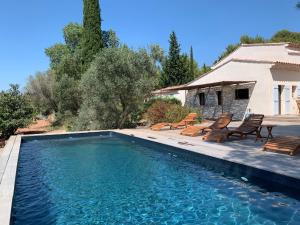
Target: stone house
x,y
256,78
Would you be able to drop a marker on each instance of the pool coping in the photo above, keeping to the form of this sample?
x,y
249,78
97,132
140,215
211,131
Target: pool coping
x,y
10,154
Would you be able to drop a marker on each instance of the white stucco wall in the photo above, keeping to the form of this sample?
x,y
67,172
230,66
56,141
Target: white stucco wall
x,y
180,95
261,97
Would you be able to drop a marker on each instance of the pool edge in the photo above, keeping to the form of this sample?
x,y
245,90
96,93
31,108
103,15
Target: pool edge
x,y
12,149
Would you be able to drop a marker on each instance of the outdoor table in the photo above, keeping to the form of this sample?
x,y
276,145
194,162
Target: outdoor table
x,y
269,129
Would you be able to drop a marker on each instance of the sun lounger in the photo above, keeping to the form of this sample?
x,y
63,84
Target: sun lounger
x,y
286,145
249,126
188,120
221,123
159,126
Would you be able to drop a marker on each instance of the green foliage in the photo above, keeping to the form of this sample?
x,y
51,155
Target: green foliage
x,y
73,35
114,88
176,113
56,53
204,69
110,39
68,95
156,113
15,111
177,68
172,68
286,36
298,5
162,110
92,36
41,91
245,39
192,68
157,53
150,102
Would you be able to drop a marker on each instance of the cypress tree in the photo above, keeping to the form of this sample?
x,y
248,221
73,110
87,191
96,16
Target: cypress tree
x,y
173,65
92,34
192,71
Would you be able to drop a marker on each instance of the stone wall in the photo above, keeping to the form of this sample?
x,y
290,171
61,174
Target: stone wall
x,y
211,109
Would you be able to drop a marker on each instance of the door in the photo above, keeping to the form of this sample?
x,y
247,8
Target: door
x,y
298,92
287,96
276,105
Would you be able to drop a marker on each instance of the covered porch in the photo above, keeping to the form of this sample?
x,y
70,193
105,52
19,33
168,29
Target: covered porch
x,y
213,99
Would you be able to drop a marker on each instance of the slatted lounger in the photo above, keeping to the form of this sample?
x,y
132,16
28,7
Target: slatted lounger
x,y
221,123
286,145
249,126
189,119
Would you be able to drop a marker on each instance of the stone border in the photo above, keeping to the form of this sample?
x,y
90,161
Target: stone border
x,y
9,161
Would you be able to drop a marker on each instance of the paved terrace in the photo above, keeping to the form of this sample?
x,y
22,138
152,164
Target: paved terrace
x,y
245,151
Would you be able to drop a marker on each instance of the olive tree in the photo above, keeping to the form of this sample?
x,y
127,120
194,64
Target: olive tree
x,y
115,87
15,111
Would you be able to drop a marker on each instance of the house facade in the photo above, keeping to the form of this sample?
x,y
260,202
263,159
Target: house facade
x,y
256,78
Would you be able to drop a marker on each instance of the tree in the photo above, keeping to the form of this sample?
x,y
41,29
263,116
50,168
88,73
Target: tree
x,y
110,39
40,89
286,36
15,111
172,68
114,88
92,35
192,71
298,5
67,95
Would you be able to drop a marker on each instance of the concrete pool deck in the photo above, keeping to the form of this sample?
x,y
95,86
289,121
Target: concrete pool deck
x,y
246,152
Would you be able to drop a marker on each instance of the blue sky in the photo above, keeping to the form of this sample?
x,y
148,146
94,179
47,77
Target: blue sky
x,y
28,27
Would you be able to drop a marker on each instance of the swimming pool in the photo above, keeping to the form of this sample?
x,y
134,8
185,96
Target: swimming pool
x,y
107,178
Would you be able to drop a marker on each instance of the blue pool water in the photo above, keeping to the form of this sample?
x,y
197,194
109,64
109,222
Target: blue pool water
x,y
112,180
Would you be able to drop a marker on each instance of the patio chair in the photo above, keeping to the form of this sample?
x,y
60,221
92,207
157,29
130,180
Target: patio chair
x,y
188,120
286,145
221,123
249,126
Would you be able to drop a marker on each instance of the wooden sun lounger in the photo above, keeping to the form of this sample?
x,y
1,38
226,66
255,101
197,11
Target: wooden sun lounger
x,y
287,145
249,126
188,120
221,123
159,126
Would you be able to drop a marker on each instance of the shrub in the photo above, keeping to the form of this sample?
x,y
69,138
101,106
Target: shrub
x,y
176,113
164,111
15,111
157,112
150,102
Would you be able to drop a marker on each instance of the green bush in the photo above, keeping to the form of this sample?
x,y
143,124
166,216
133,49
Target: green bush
x,y
15,111
150,102
164,111
176,113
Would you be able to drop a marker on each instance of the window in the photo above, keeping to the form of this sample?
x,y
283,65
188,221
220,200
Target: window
x,y
242,94
219,95
202,98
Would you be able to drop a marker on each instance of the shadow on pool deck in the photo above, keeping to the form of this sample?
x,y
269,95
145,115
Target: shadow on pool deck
x,y
245,151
